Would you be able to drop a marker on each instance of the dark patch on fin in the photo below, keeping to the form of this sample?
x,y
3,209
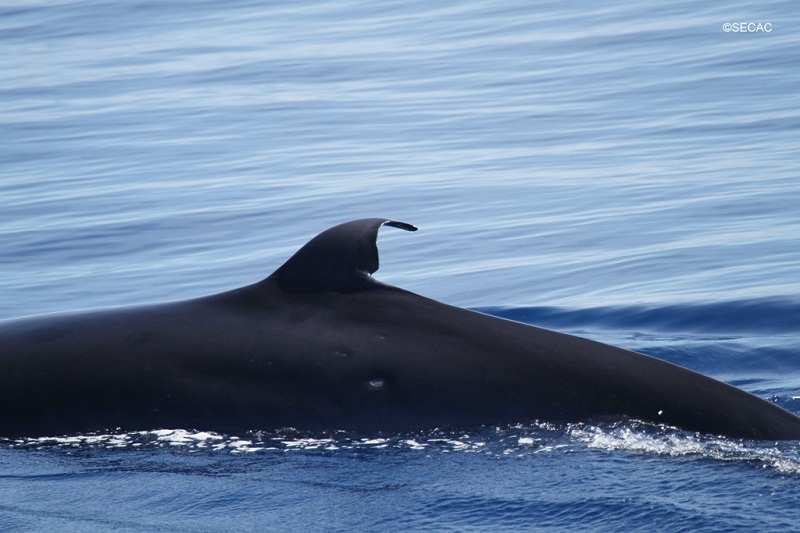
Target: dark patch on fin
x,y
339,259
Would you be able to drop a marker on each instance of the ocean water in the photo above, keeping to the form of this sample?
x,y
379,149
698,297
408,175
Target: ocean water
x,y
626,172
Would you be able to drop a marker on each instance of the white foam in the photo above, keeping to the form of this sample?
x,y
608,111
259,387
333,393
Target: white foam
x,y
519,441
679,444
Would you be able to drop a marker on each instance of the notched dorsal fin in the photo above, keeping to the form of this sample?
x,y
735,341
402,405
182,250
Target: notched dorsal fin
x,y
340,259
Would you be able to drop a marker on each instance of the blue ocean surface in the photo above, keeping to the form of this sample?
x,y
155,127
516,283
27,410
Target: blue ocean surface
x,y
627,173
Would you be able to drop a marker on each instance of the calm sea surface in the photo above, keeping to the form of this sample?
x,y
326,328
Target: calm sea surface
x,y
628,173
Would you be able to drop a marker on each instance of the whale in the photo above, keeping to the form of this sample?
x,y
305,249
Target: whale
x,y
320,346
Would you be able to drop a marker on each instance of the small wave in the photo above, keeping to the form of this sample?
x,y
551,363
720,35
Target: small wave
x,y
517,441
163,438
783,458
199,441
766,316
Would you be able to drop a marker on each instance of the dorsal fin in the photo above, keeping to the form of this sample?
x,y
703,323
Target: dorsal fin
x,y
338,259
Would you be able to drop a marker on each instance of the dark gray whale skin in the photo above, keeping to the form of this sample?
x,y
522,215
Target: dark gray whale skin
x,y
320,345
